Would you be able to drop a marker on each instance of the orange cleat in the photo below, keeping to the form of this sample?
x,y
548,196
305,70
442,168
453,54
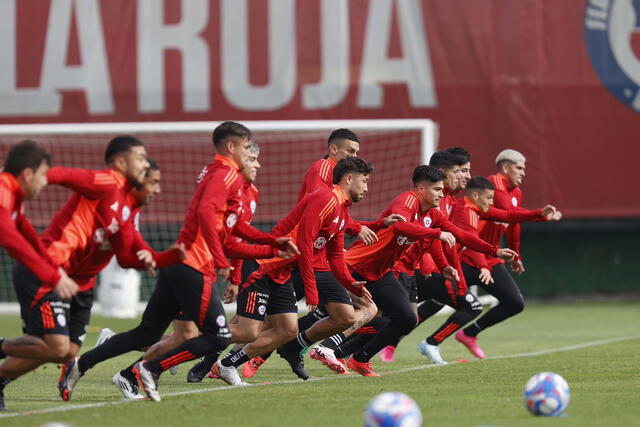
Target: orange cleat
x,y
250,368
363,369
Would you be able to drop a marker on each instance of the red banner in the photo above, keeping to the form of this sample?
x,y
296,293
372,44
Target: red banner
x,y
560,84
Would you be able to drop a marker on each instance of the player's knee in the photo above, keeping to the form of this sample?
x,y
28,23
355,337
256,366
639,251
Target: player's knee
x,y
289,331
406,321
345,319
59,352
517,306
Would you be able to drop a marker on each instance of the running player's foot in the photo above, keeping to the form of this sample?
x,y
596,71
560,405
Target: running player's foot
x,y
250,368
148,380
228,374
198,372
105,334
174,370
363,369
346,370
296,362
326,356
432,352
127,386
387,354
471,343
68,379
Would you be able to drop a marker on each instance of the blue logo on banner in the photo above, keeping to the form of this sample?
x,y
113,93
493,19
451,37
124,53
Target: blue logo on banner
x,y
612,35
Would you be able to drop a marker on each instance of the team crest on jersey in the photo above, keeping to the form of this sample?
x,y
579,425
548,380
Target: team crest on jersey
x,y
232,219
252,205
126,213
427,221
319,243
612,35
514,201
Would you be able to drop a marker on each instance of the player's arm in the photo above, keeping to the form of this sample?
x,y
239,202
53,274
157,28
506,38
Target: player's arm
x,y
461,218
212,200
20,249
132,251
466,238
240,250
32,236
89,183
512,216
438,255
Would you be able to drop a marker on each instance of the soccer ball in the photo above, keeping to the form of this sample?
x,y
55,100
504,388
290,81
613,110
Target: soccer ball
x,y
546,394
392,409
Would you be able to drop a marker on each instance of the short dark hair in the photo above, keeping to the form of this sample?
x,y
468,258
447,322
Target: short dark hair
x,y
340,134
426,173
463,154
25,154
227,130
351,165
153,165
443,160
479,183
120,144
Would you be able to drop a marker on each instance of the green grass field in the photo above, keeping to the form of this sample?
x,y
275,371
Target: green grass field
x,y
594,346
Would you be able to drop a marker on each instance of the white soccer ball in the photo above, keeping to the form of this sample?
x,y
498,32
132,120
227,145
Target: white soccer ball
x,y
392,409
546,394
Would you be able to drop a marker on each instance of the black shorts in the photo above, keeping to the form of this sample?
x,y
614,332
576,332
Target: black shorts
x,y
264,296
410,285
47,315
330,290
298,284
445,292
80,315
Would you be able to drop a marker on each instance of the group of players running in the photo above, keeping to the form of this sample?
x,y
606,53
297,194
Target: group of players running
x,y
423,252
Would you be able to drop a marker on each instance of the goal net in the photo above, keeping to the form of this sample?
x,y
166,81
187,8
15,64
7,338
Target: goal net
x,y
288,148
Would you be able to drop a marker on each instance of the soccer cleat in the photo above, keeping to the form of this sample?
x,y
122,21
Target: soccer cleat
x,y
128,387
148,380
69,377
432,352
471,343
363,369
387,354
326,356
250,368
198,372
228,374
174,370
105,334
213,376
296,362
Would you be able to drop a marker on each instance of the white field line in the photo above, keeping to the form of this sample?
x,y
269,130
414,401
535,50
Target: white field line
x,y
71,407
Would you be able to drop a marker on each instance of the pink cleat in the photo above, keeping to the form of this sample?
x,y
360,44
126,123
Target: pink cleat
x,y
326,356
471,343
250,368
387,354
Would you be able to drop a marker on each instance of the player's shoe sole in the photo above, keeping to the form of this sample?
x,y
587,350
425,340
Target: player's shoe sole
x,y
471,343
432,352
327,358
363,369
148,381
69,377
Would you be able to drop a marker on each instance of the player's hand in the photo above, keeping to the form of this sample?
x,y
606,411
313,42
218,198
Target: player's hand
x,y
448,238
287,244
556,216
368,236
224,273
231,293
548,210
450,273
506,253
392,219
147,258
66,288
517,266
485,276
366,295
284,254
181,249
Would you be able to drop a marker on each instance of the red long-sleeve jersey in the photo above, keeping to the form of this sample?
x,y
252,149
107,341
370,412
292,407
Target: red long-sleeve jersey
x,y
250,198
96,222
18,236
316,224
470,218
507,198
213,212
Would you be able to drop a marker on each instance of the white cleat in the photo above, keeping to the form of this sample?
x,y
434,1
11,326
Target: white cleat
x,y
432,352
128,388
148,380
327,357
227,374
105,334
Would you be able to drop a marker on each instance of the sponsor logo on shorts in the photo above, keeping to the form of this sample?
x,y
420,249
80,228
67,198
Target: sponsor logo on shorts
x,y
61,319
262,309
221,321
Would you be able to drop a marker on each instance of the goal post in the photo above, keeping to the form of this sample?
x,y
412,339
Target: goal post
x,y
288,148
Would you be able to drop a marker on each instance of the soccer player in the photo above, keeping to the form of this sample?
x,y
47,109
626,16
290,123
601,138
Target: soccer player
x,y
188,286
373,264
24,175
318,223
491,274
